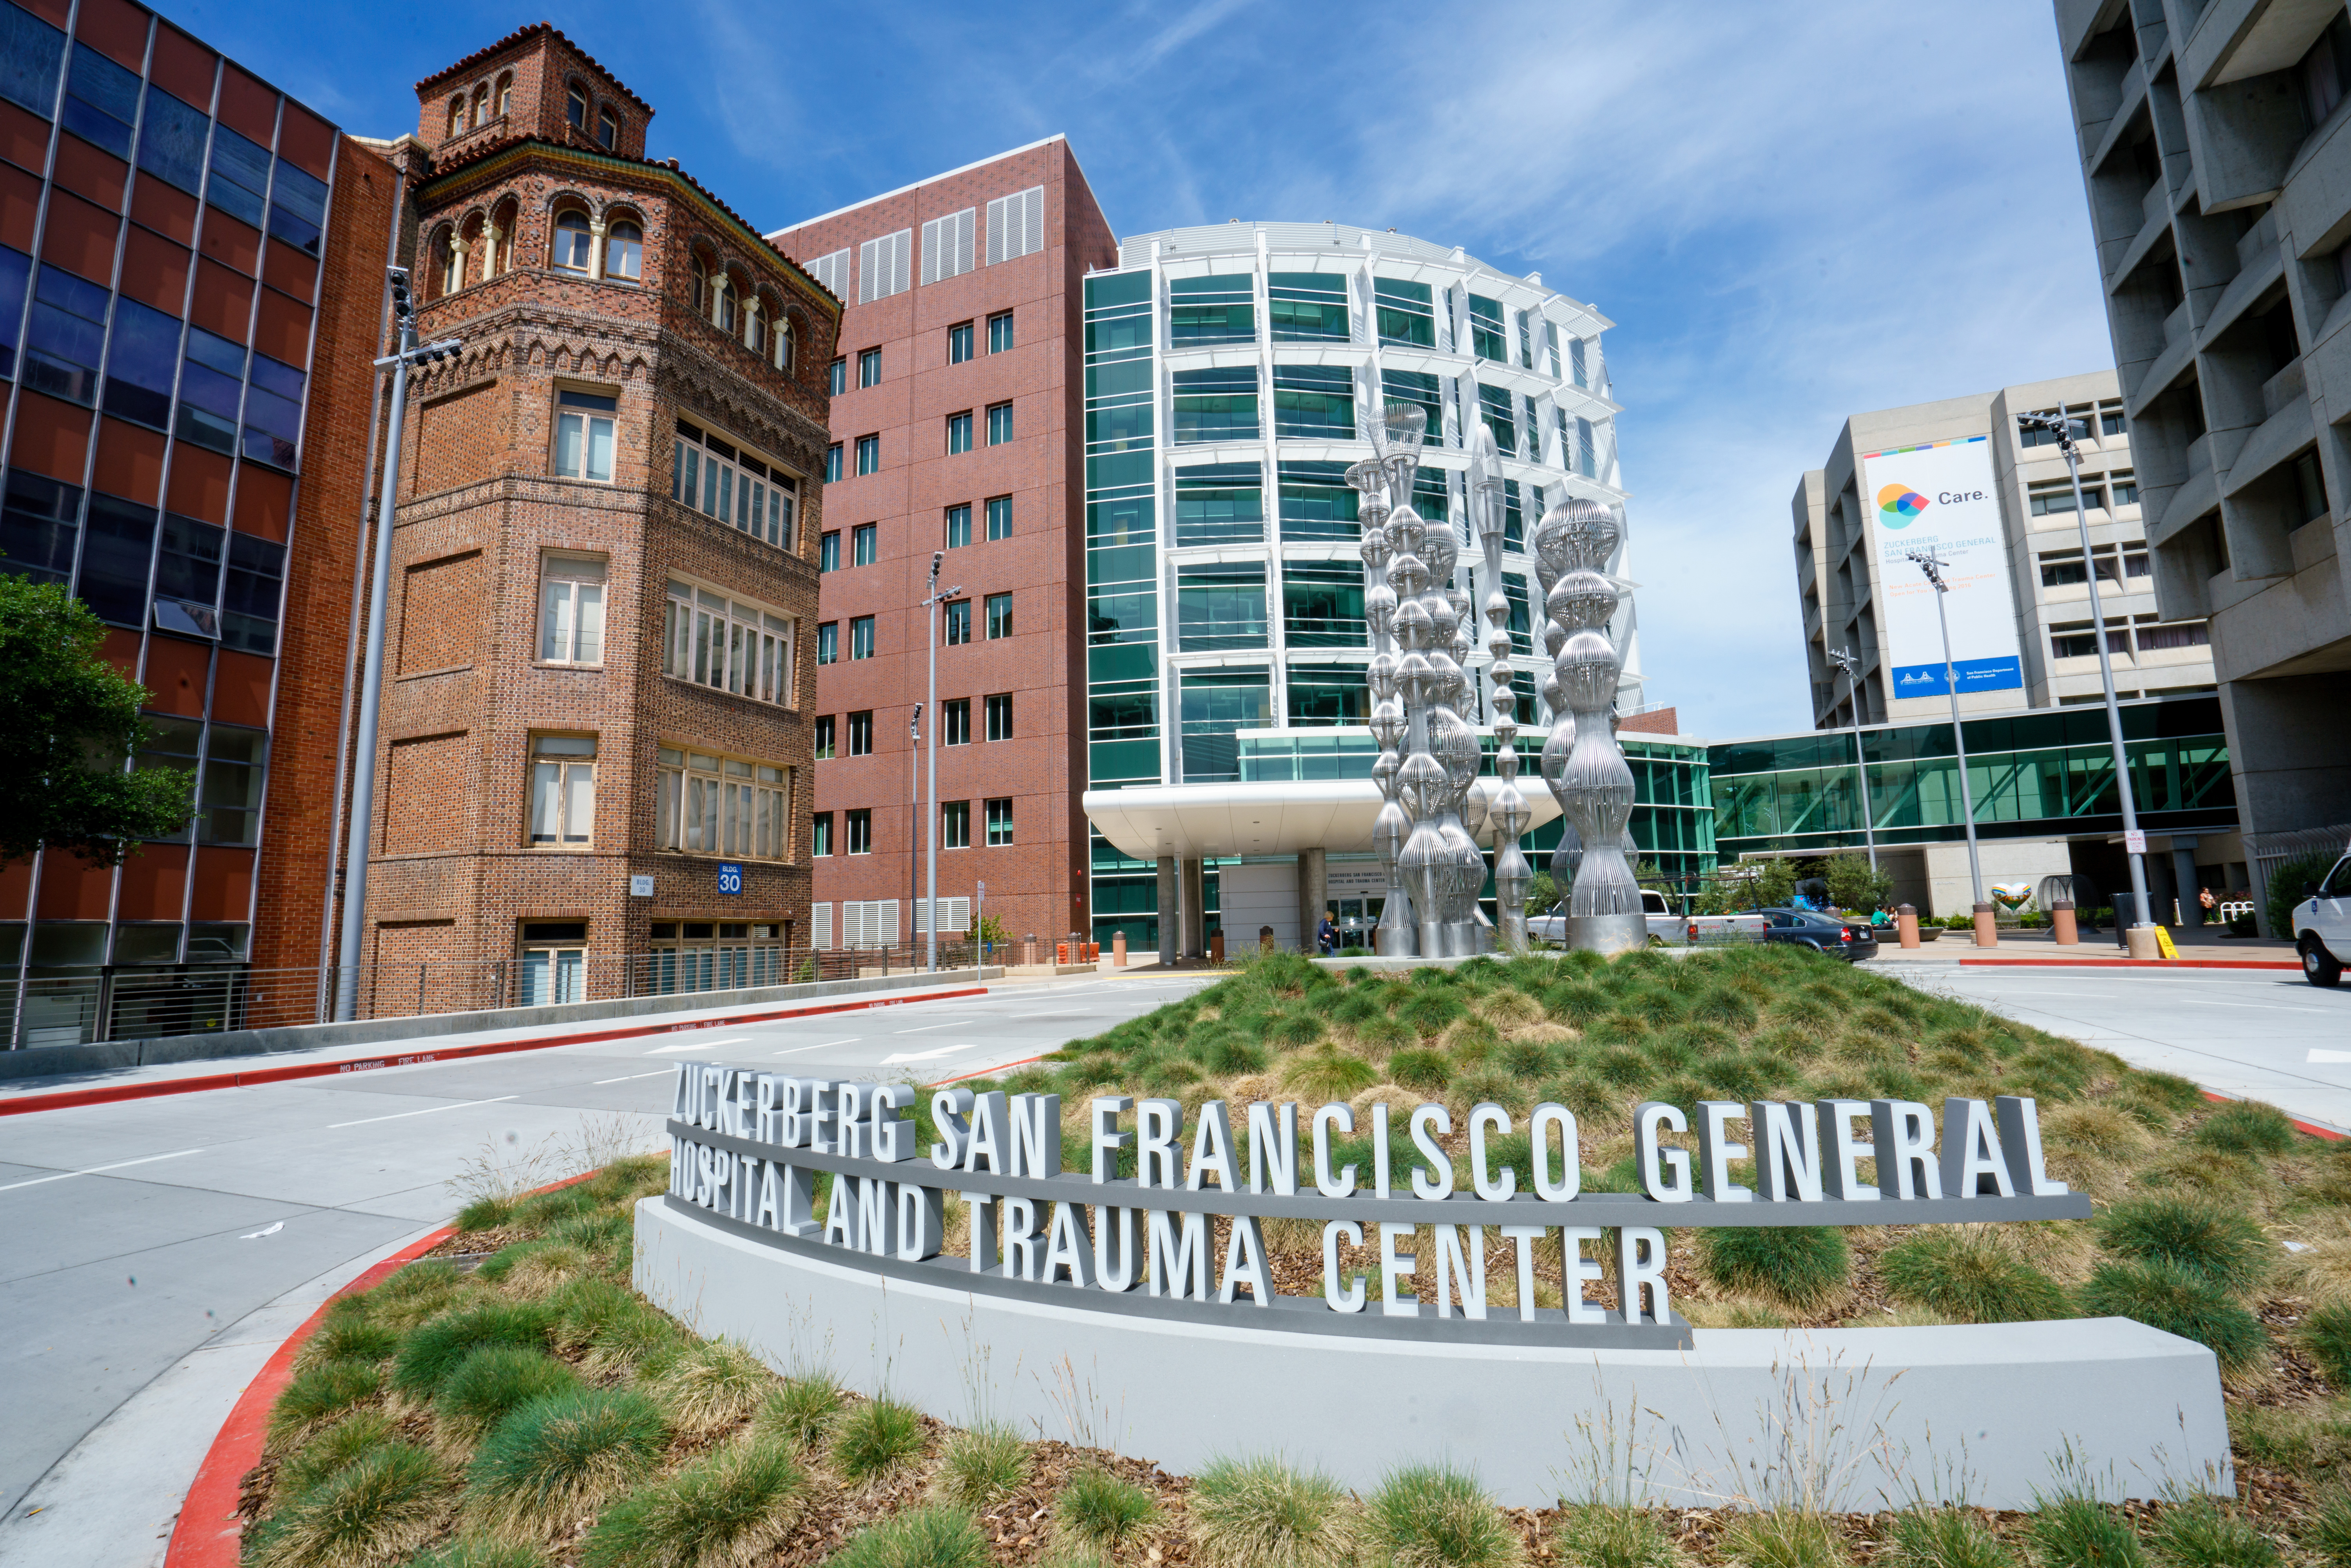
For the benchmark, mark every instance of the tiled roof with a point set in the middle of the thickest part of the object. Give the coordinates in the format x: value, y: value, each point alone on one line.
x: 464, y: 66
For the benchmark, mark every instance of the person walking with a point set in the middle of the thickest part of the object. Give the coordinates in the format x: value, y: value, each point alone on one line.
x: 1326, y: 936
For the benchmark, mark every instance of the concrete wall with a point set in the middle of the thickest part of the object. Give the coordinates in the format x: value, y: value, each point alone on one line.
x: 1250, y: 896
x: 1951, y: 891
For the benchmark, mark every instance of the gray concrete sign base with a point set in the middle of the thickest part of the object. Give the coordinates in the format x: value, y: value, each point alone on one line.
x: 1868, y: 1419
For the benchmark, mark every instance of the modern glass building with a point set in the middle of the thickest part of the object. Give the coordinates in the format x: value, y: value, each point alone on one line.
x: 1228, y: 371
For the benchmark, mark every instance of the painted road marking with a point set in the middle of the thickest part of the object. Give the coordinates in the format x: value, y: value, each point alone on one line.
x: 930, y: 1055
x: 943, y: 1023
x: 93, y: 1170
x: 695, y: 1045
x: 854, y: 1040
x: 2315, y: 1055
x: 633, y: 1077
x: 460, y: 1105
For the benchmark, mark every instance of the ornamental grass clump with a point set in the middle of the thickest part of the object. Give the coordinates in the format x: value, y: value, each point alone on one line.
x: 2326, y: 1337
x: 2197, y: 1533
x: 980, y: 1466
x: 1103, y: 1510
x: 871, y: 1441
x: 334, y: 1450
x: 1261, y: 1513
x: 349, y: 1336
x: 712, y: 1386
x: 2247, y: 1127
x: 2177, y: 1301
x: 2074, y: 1530
x: 2227, y: 1250
x: 1603, y: 1535
x: 374, y: 1510
x: 726, y: 1511
x: 431, y: 1354
x: 933, y: 1537
x: 801, y: 1411
x: 2328, y: 1535
x: 1946, y: 1538
x: 1785, y: 1538
x: 480, y: 1552
x: 495, y: 1380
x: 1970, y: 1279
x: 561, y: 1456
x: 1432, y: 1516
x: 322, y: 1392
x: 1800, y: 1265
x: 1320, y: 1077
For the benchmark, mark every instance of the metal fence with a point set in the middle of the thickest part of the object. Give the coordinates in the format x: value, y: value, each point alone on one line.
x: 88, y: 1004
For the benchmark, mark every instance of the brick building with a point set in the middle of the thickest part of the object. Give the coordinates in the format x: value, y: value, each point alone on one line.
x: 594, y: 736
x: 956, y: 427
x: 190, y: 283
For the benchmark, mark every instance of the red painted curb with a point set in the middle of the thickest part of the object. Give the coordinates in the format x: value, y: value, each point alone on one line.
x: 22, y: 1104
x: 197, y: 1541
x: 2317, y: 1130
x: 2130, y: 964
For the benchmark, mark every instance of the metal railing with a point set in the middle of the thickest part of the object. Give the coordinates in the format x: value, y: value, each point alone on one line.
x: 85, y: 1006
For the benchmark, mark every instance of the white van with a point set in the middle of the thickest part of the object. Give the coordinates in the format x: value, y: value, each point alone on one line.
x: 2322, y: 928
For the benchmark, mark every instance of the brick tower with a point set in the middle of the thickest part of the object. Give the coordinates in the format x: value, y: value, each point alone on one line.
x: 594, y: 741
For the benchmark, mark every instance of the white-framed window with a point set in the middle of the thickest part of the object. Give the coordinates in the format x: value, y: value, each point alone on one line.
x: 730, y: 644
x: 562, y: 790
x: 624, y: 253
x: 710, y: 804
x: 1016, y: 225
x: 573, y: 241
x: 571, y: 609
x: 869, y: 923
x: 608, y: 129
x: 714, y: 475
x: 946, y: 247
x: 583, y: 434
x: 882, y: 265
x: 833, y: 271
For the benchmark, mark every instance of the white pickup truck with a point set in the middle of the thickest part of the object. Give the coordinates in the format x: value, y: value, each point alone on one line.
x: 1665, y: 927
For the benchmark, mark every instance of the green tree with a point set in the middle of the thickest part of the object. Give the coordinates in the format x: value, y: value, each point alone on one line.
x: 1852, y: 886
x: 1542, y: 893
x: 2290, y: 883
x: 1775, y: 882
x: 68, y: 722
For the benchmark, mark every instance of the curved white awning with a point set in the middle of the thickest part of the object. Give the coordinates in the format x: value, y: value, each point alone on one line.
x: 1195, y: 822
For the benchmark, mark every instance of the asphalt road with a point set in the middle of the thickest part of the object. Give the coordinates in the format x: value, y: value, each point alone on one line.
x: 144, y: 1231
x: 2261, y: 1034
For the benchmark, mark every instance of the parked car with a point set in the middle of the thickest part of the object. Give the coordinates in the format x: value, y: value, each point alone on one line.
x: 1852, y: 940
x: 2322, y: 928
x: 1665, y: 927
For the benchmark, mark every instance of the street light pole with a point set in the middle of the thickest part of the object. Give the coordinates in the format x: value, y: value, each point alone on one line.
x: 913, y: 805
x: 931, y: 822
x: 1844, y: 660
x: 362, y: 824
x: 2062, y: 428
x: 1932, y: 565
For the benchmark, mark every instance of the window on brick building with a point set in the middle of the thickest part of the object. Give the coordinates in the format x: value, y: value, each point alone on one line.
x: 1000, y: 716
x: 959, y: 342
x: 714, y: 805
x: 571, y: 610
x: 958, y: 526
x: 999, y: 822
x: 730, y: 644
x: 583, y: 434
x: 958, y: 432
x: 955, y: 820
x: 562, y: 789
x: 837, y: 383
x: 827, y: 643
x: 824, y: 737
x: 1000, y: 615
x: 833, y: 453
x: 608, y: 129
x: 958, y: 726
x: 958, y: 622
x: 456, y: 117
x: 999, y: 332
x: 861, y: 733
x: 828, y: 551
x: 624, y: 253
x: 575, y: 107
x: 860, y: 637
x: 999, y: 518
x: 481, y: 115
x: 869, y: 367
x: 865, y: 544
x: 868, y: 454
x: 820, y: 834
x: 861, y: 832
x: 747, y: 493
x: 1000, y: 425
x: 573, y: 241
x: 505, y: 95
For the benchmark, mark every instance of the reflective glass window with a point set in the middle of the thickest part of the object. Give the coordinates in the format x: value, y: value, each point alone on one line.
x: 257, y: 573
x: 1220, y: 607
x: 15, y: 274
x: 240, y: 175
x: 140, y: 362
x: 1420, y: 391
x: 1205, y: 311
x: 1219, y: 504
x: 1307, y: 307
x: 1217, y: 404
x: 31, y: 55
x: 958, y: 526
x: 39, y: 524
x: 115, y: 560
x: 297, y: 208
x: 101, y: 101
x: 1405, y: 311
x: 211, y: 386
x: 272, y: 412
x: 68, y: 334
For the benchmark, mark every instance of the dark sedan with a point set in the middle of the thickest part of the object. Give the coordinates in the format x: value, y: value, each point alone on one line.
x: 1852, y: 940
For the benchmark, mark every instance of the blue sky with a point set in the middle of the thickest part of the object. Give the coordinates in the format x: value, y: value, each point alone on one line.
x: 1793, y: 212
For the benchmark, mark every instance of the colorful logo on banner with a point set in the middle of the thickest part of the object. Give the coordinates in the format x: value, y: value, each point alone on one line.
x: 1898, y: 506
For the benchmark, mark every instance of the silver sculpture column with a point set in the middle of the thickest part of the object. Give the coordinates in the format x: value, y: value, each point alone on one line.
x: 1594, y: 787
x: 1461, y: 869
x: 1506, y: 813
x: 1399, y: 434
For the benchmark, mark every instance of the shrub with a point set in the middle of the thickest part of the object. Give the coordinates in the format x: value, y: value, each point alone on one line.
x: 801, y: 1411
x: 1969, y: 1279
x: 492, y: 1381
x: 713, y: 1385
x: 328, y: 1388
x: 1261, y: 1513
x: 1427, y: 1070
x: 2226, y: 1249
x: 559, y: 1456
x: 918, y: 1538
x: 2325, y: 1335
x: 1800, y: 1265
x: 378, y: 1508
x: 1785, y: 1538
x: 435, y: 1351
x: 2076, y: 1532
x: 1432, y: 1516
x: 2290, y: 885
x: 2247, y: 1127
x: 876, y: 1439
x: 2197, y: 1533
x: 338, y: 1448
x: 1604, y: 1536
x: 724, y: 1511
x: 1946, y: 1538
x: 2167, y: 1297
x: 981, y: 1464
x: 1100, y: 1509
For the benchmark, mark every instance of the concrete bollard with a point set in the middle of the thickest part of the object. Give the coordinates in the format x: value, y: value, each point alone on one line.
x: 1906, y: 918
x: 2060, y: 921
x: 1118, y: 951
x: 1987, y: 926
x: 2142, y: 942
x: 1029, y: 947
x: 1217, y: 947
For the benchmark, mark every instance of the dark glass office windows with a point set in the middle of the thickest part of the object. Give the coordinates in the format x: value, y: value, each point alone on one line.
x: 101, y: 102
x: 37, y: 526
x: 1219, y: 504
x: 1328, y: 694
x: 1217, y: 404
x: 1315, y: 402
x: 1501, y: 412
x: 1219, y: 607
x: 1307, y: 307
x: 273, y: 412
x: 69, y: 331
x: 297, y: 208
x: 1486, y: 340
x: 240, y: 176
x: 256, y: 571
x: 139, y: 364
x: 172, y: 141
x: 1215, y: 704
x: 115, y: 560
x: 1406, y: 316
x: 1205, y: 311
x: 1422, y: 391
x: 228, y: 809
x: 15, y: 274
x: 1316, y: 502
x: 209, y: 391
x: 1323, y: 605
x: 31, y: 53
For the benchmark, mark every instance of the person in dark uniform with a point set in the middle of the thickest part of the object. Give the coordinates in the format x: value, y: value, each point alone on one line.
x: 1326, y: 936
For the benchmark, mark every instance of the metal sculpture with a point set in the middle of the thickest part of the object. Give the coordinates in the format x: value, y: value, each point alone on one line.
x: 1589, y: 775
x: 1507, y: 812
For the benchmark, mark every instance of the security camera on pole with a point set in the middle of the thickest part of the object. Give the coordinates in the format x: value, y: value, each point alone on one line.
x: 2141, y: 937
x: 1987, y: 925
x: 1844, y: 660
x: 362, y: 834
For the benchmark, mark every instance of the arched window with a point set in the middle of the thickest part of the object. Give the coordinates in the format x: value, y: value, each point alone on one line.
x: 701, y: 287
x: 624, y: 252
x: 505, y: 95
x: 608, y: 129
x: 730, y: 320
x: 481, y: 107
x: 571, y: 241
x: 575, y: 107
x: 445, y: 254
x: 456, y: 117
x: 779, y: 342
